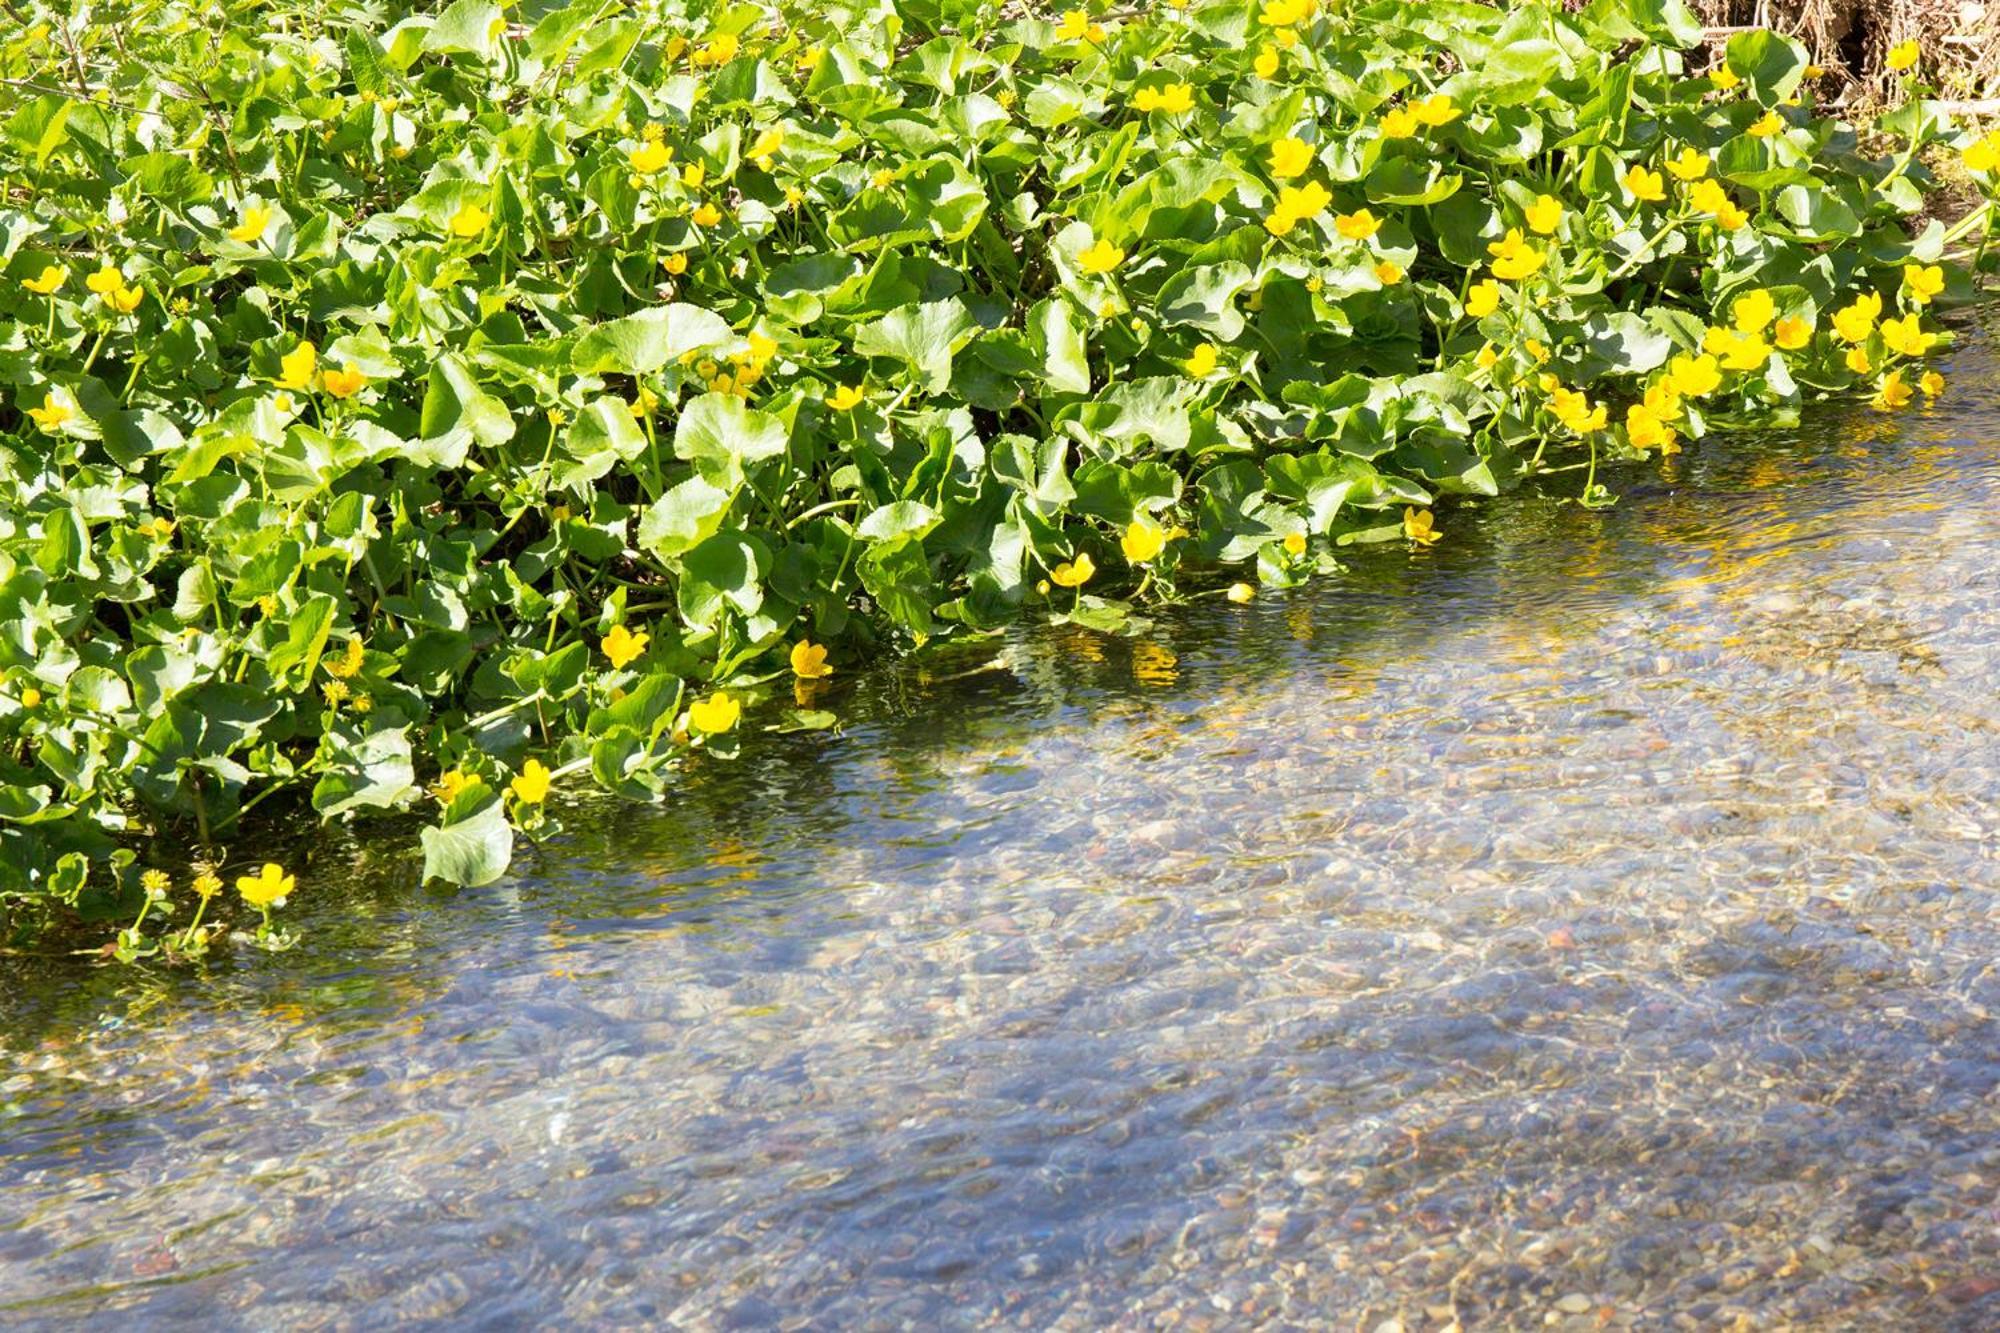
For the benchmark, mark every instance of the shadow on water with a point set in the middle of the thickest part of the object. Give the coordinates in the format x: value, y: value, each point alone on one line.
x: 1587, y: 914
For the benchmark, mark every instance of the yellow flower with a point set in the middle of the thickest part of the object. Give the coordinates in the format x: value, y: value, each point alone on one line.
x: 1857, y: 360
x: 125, y: 300
x: 1295, y: 543
x: 31, y: 697
x: 55, y: 410
x: 1435, y: 110
x: 1398, y: 123
x: 1737, y: 351
x: 1647, y: 429
x: 1545, y: 214
x: 809, y: 660
x: 693, y: 174
x: 1073, y: 573
x: 1753, y: 310
x: 718, y: 50
x: 808, y: 60
x: 450, y: 784
x: 1984, y: 154
x: 1240, y: 593
x: 1903, y: 56
x: 644, y: 405
x: 1483, y: 298
x: 766, y: 146
x: 1931, y: 383
x: 1202, y: 361
x: 1174, y: 99
x: 256, y: 220
x: 1355, y: 226
x: 1921, y: 284
x: 1793, y: 332
x: 1290, y: 158
x: 845, y: 398
x: 1419, y: 526
x: 1101, y: 257
x: 105, y: 281
x: 469, y: 221
x: 206, y: 885
x: 532, y: 786
x: 1905, y: 336
x: 1856, y: 321
x: 50, y: 278
x: 1648, y: 187
x: 155, y: 883
x: 715, y: 714
x: 649, y: 157
x: 268, y: 888
x: 1514, y: 258
x: 1388, y: 273
x: 1893, y: 393
x: 345, y: 382
x: 349, y: 663
x: 1689, y: 165
x: 1539, y: 353
x: 1077, y: 27
x: 1266, y: 63
x: 1694, y: 376
x: 1143, y: 540
x: 1575, y: 411
x: 1487, y: 357
x: 1767, y: 125
x: 1285, y: 13
x: 1724, y: 77
x: 623, y: 646
x: 675, y: 264
x: 706, y: 216
x: 296, y: 367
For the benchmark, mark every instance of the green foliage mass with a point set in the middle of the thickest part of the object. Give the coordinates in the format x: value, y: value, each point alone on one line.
x: 389, y: 400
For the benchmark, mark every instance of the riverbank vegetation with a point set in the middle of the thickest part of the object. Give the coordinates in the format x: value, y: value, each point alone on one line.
x: 429, y: 412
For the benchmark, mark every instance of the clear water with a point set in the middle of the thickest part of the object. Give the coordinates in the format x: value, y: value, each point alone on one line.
x: 1589, y: 921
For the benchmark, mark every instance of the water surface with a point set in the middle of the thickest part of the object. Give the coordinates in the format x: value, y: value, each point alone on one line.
x: 1589, y: 920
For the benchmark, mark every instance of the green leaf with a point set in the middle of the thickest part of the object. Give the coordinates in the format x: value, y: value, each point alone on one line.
x: 372, y: 771
x: 469, y: 26
x: 720, y: 433
x: 724, y: 573
x: 1772, y: 65
x: 641, y: 344
x: 924, y: 337
x: 471, y: 851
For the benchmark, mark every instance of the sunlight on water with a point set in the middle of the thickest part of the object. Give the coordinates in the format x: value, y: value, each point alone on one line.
x: 1587, y: 920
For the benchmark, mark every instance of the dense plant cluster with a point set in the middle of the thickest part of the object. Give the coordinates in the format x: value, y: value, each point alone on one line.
x: 425, y: 412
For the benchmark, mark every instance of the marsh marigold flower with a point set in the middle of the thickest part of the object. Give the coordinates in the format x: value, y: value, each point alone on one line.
x: 1983, y: 154
x: 1514, y: 258
x: 469, y: 221
x: 1921, y: 284
x: 1482, y: 299
x: 1545, y: 214
x: 623, y: 646
x: 1073, y: 573
x: 269, y: 887
x: 1358, y: 225
x: 250, y: 229
x: 1893, y: 393
x: 1688, y: 165
x: 1101, y: 257
x: 1906, y: 337
x: 47, y: 281
x: 1856, y: 320
x: 649, y: 157
x: 1290, y: 158
x: 1435, y: 110
x: 531, y: 785
x: 1143, y: 540
x: 809, y: 660
x: 1419, y: 526
x: 1646, y: 186
x: 345, y: 382
x: 1792, y: 333
x: 1753, y: 310
x: 1931, y: 383
x: 845, y: 398
x: 296, y: 367
x: 715, y: 714
x: 1903, y: 56
x: 55, y: 410
x: 1174, y: 99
